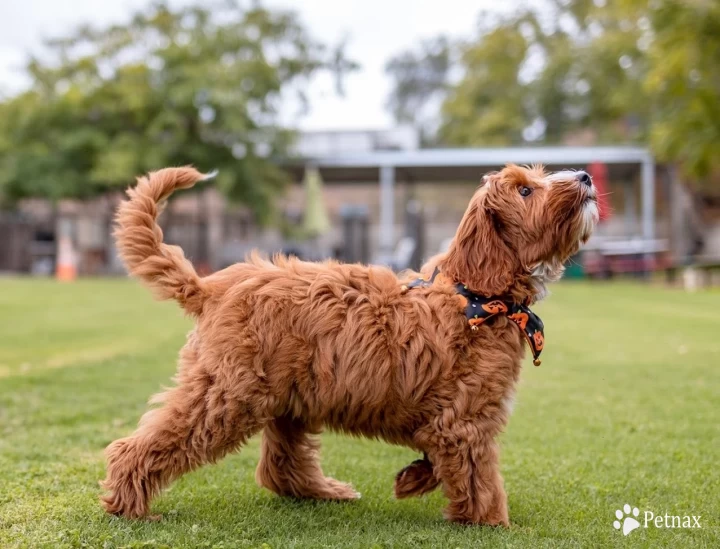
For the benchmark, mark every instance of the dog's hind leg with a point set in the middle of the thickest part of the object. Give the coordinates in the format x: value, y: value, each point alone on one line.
x: 199, y: 423
x: 289, y: 463
x: 465, y: 457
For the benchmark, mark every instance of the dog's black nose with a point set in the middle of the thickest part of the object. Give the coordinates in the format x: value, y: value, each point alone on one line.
x: 584, y: 178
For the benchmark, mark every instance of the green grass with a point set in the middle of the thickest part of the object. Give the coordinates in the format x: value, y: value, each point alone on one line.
x: 625, y: 408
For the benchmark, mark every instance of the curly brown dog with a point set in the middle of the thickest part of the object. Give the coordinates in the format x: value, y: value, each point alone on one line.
x: 290, y: 347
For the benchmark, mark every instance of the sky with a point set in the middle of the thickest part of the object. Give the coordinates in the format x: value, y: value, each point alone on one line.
x: 374, y: 31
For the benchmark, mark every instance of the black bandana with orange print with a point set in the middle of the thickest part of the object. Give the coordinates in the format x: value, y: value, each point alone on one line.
x: 480, y: 309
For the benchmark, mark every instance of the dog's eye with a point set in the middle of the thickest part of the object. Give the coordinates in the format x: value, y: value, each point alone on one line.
x: 525, y: 191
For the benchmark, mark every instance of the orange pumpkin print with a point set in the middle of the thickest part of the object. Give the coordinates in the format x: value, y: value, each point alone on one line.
x: 495, y: 307
x: 539, y: 340
x: 521, y: 319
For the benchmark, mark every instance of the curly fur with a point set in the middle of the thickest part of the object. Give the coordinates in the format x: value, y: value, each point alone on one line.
x: 288, y: 347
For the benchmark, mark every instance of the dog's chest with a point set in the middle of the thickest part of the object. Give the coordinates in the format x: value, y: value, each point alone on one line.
x: 496, y: 352
x: 508, y: 401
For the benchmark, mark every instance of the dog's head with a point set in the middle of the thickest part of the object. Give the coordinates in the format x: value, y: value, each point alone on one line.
x: 521, y: 226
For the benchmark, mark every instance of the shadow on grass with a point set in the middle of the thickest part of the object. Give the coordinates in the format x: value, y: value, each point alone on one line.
x: 253, y: 517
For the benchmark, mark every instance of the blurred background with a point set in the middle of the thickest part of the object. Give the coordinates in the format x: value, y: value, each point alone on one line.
x: 359, y: 129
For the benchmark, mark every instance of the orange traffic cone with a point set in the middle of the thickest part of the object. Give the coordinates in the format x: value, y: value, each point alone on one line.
x: 66, y: 268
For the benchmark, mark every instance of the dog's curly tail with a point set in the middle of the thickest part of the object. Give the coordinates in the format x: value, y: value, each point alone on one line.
x: 139, y: 238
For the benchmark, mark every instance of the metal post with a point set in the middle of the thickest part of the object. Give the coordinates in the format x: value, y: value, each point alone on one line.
x: 387, y: 210
x: 648, y: 198
x: 631, y: 213
x: 648, y: 208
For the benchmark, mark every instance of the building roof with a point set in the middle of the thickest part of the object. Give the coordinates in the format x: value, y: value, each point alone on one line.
x: 465, y: 164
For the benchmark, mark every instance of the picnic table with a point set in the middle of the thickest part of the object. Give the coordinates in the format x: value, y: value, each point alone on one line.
x: 608, y: 257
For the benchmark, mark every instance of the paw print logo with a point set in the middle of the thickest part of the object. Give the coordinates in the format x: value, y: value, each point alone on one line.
x: 629, y: 523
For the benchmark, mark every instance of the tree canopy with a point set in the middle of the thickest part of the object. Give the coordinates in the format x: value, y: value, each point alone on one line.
x: 420, y: 81
x: 585, y: 71
x: 201, y: 85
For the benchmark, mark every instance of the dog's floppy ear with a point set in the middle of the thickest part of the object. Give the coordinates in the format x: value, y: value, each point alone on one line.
x: 478, y: 256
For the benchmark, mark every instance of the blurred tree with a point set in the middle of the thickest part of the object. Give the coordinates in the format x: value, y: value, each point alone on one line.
x: 571, y: 67
x: 582, y: 71
x: 420, y: 80
x: 488, y: 105
x: 683, y: 81
x: 200, y: 85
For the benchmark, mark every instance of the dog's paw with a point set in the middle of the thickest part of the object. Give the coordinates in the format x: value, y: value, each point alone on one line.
x: 415, y: 480
x: 494, y: 519
x: 339, y: 491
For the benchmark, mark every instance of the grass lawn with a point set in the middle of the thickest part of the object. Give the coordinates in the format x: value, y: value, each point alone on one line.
x: 625, y: 409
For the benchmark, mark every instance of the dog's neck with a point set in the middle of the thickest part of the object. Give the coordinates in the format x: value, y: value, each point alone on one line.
x: 528, y: 286
x: 479, y: 309
x: 525, y: 288
x: 543, y: 274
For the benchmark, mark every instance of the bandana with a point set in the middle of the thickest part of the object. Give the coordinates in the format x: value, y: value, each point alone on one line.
x: 480, y: 309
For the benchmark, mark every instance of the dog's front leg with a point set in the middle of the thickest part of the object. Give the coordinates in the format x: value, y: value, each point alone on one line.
x: 416, y: 479
x: 465, y: 458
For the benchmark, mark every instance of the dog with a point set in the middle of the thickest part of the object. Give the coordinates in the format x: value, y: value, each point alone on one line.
x: 288, y: 347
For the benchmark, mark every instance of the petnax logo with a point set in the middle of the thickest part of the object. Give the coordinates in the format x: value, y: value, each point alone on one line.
x: 629, y: 520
